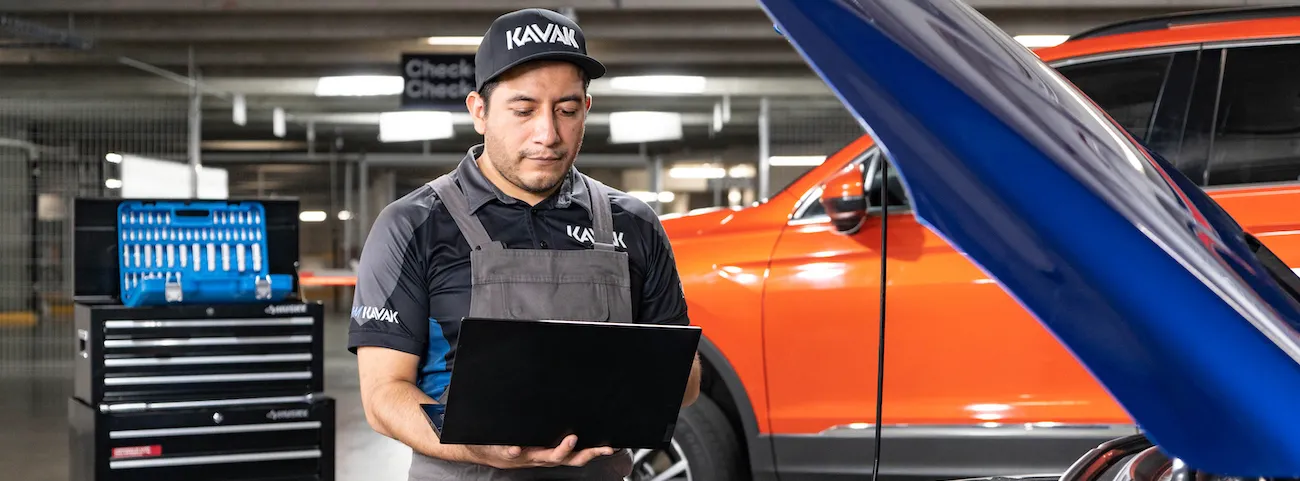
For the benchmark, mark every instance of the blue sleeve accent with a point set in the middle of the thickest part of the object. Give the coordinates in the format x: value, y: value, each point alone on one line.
x: 435, y: 373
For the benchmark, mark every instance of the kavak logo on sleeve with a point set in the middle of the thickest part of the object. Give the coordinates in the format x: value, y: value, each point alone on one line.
x: 369, y: 313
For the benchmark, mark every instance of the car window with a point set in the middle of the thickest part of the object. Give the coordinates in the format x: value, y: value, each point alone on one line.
x: 1126, y: 88
x: 1256, y: 136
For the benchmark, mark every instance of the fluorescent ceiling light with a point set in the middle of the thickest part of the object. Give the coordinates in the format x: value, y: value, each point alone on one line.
x: 1037, y: 41
x: 113, y: 183
x: 742, y: 171
x: 312, y: 216
x: 641, y: 126
x: 697, y: 172
x: 664, y: 197
x: 406, y: 126
x: 454, y: 40
x: 673, y: 84
x: 113, y: 157
x: 345, y: 215
x: 359, y: 85
x: 795, y: 160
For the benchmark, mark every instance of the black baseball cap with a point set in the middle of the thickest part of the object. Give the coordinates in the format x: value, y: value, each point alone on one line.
x: 531, y: 34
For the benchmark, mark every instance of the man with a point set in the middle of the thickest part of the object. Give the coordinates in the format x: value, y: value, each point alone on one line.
x: 494, y: 238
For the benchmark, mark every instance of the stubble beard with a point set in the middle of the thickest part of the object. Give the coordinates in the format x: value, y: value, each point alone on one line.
x: 507, y: 164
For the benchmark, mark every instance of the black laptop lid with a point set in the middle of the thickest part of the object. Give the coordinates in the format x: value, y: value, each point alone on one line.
x: 531, y: 383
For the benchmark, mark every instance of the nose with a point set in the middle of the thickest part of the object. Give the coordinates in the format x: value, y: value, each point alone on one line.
x: 546, y: 130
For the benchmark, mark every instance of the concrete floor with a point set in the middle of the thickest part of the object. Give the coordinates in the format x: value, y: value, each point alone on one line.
x: 34, y: 439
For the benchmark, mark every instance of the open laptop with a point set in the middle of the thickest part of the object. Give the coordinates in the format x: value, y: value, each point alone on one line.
x: 531, y: 383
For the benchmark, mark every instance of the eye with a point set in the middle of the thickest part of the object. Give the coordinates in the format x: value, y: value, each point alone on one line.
x: 523, y: 113
x: 568, y: 113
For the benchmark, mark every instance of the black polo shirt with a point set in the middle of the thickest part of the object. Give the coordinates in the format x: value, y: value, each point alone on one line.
x: 413, y: 282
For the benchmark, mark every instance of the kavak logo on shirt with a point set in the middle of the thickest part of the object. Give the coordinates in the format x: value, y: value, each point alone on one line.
x: 584, y: 234
x: 526, y: 34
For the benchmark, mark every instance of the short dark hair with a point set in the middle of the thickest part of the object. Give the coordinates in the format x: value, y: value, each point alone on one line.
x: 489, y: 86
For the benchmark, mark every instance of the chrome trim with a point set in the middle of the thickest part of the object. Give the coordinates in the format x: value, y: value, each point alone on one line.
x: 190, y: 360
x: 820, y: 219
x: 252, y: 322
x: 205, y: 378
x: 1250, y: 185
x: 209, y: 341
x: 1141, y: 52
x: 215, y: 459
x: 131, y: 407
x: 1258, y: 42
x: 1027, y: 430
x: 238, y: 428
x: 804, y: 203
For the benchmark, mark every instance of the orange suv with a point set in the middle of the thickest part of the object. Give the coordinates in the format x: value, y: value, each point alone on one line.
x: 788, y: 295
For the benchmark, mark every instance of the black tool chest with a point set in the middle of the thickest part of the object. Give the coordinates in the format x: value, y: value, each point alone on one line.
x: 197, y: 352
x: 196, y: 391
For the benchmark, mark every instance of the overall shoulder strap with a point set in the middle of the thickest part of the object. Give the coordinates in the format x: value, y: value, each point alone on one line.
x: 602, y: 217
x: 458, y: 206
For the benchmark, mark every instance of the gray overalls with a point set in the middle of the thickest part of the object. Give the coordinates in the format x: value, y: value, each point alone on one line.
x: 586, y: 284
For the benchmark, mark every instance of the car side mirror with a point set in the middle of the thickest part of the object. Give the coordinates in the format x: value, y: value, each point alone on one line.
x: 845, y: 199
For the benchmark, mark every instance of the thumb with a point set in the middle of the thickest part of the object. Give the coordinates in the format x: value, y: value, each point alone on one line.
x: 512, y: 452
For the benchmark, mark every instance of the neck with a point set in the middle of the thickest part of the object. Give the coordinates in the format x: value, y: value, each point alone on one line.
x: 490, y: 171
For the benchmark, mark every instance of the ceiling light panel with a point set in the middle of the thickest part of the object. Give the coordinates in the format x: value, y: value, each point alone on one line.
x: 359, y: 86
x: 668, y: 84
x: 454, y: 40
x: 1039, y: 41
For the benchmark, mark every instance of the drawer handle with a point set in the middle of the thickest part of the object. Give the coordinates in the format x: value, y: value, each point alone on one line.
x: 201, y: 430
x: 272, y: 322
x: 235, y: 377
x: 215, y: 459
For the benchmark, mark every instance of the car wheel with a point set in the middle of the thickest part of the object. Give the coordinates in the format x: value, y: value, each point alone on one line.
x: 704, y: 448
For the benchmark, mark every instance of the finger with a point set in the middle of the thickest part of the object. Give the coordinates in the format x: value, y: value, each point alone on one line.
x: 511, y: 452
x: 563, y: 451
x: 585, y: 456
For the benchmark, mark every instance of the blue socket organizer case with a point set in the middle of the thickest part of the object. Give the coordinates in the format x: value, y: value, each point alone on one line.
x: 188, y: 252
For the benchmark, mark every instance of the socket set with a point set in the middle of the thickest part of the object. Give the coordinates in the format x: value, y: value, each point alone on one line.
x: 195, y: 252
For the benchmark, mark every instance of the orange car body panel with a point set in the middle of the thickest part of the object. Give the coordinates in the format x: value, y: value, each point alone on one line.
x: 794, y: 306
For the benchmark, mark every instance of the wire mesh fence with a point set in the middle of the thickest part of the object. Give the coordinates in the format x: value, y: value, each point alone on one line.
x: 55, y: 146
x: 802, y: 130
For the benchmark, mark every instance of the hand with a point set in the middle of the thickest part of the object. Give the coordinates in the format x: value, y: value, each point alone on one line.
x: 515, y: 457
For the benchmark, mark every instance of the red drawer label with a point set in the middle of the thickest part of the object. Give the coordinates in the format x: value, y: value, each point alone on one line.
x: 137, y: 451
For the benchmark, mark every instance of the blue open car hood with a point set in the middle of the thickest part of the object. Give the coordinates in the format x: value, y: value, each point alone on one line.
x: 1133, y: 268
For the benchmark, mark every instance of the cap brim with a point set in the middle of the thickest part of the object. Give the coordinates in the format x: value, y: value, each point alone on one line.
x: 591, y: 66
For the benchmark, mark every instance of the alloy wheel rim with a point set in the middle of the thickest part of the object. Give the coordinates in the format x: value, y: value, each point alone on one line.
x: 660, y: 464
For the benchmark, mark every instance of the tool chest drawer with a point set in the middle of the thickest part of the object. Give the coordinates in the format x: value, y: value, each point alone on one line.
x: 254, y: 439
x: 171, y: 353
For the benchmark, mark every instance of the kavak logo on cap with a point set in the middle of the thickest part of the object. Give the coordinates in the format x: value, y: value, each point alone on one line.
x: 530, y: 35
x: 533, y: 33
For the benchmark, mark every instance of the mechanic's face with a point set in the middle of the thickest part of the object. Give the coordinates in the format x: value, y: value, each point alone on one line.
x: 533, y: 127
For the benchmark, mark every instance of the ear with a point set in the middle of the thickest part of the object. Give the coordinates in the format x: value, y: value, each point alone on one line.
x: 589, y: 102
x: 477, y: 111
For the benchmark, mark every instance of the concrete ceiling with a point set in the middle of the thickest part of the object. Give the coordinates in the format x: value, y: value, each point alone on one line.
x: 273, y: 51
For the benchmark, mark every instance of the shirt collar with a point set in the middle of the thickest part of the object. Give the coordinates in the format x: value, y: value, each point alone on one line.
x: 479, y: 190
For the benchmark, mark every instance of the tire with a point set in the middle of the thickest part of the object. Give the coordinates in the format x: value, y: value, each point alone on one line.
x: 704, y: 439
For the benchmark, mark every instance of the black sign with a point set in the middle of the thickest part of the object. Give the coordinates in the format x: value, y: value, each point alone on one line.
x: 436, y: 82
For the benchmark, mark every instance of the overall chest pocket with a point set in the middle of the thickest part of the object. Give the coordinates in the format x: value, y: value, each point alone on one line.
x: 577, y: 285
